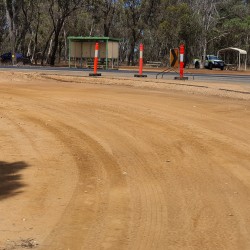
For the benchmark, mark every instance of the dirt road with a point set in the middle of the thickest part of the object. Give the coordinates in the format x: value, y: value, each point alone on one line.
x: 114, y: 166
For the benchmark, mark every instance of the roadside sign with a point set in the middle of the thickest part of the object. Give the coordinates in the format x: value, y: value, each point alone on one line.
x: 174, y: 58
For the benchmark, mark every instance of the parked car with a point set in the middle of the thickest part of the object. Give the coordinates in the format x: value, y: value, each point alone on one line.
x: 212, y: 61
x: 197, y: 63
x: 20, y: 59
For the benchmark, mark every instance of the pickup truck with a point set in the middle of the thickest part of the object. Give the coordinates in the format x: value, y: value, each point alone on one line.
x: 212, y: 61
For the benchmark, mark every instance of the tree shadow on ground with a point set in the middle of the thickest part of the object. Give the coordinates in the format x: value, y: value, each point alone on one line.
x: 10, y: 178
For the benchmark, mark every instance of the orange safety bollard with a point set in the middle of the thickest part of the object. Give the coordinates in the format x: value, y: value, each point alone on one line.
x: 96, y: 62
x: 182, y: 52
x: 140, y: 63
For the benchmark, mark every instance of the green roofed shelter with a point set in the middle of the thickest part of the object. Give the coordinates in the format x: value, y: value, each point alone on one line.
x: 82, y: 50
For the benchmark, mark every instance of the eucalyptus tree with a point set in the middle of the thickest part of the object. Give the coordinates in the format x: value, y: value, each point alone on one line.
x: 11, y: 9
x: 40, y: 27
x: 137, y: 16
x: 207, y: 13
x: 59, y: 11
x: 24, y: 26
x: 103, y: 13
x: 3, y: 22
x: 237, y: 25
x: 177, y: 24
x: 18, y: 18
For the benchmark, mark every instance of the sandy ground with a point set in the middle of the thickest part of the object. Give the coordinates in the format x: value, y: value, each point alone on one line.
x: 107, y: 163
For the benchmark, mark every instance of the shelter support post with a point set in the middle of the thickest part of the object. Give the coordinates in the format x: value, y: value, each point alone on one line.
x: 69, y: 53
x: 106, y: 54
x: 239, y: 61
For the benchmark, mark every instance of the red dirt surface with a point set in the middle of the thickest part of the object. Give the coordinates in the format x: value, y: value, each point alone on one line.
x: 123, y: 164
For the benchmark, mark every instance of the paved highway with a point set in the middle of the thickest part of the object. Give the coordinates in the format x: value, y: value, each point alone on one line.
x: 217, y: 77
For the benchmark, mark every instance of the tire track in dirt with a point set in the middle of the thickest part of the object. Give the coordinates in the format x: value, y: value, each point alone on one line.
x: 148, y: 210
x: 114, y: 180
x: 150, y: 196
x: 151, y: 202
x: 195, y: 151
x: 148, y: 225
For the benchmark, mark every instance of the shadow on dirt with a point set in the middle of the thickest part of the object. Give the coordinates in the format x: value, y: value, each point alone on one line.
x: 10, y: 178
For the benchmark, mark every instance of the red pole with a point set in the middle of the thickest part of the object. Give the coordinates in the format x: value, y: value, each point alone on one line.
x: 96, y: 58
x: 141, y: 59
x: 182, y: 50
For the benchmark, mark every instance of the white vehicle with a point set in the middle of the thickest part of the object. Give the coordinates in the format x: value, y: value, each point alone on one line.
x: 212, y: 61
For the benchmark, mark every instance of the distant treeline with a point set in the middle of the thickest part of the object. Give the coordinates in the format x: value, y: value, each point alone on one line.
x: 39, y: 28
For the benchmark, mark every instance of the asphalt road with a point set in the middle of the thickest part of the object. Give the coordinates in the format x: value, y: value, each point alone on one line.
x: 217, y: 77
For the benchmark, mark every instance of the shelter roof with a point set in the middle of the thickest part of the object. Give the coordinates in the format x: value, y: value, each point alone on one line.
x: 241, y: 51
x: 92, y: 39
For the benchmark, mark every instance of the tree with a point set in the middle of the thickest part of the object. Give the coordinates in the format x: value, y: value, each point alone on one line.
x: 208, y: 16
x: 3, y: 22
x: 11, y: 10
x: 59, y: 11
x: 103, y: 13
x: 39, y: 28
x: 138, y: 15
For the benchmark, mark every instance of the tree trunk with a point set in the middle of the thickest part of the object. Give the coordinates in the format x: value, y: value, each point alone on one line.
x: 11, y: 26
x: 29, y: 46
x: 13, y: 33
x: 49, y: 51
x: 56, y: 42
x: 46, y: 47
x: 204, y: 50
x: 34, y: 55
x: 106, y: 30
x: 65, y: 44
x: 131, y: 57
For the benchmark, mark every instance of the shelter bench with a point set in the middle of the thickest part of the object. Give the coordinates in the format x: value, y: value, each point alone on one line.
x: 99, y: 66
x: 231, y: 67
x: 153, y: 64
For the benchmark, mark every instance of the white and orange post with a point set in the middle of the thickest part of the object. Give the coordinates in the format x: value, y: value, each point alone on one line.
x: 182, y: 53
x: 141, y: 62
x: 96, y: 61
